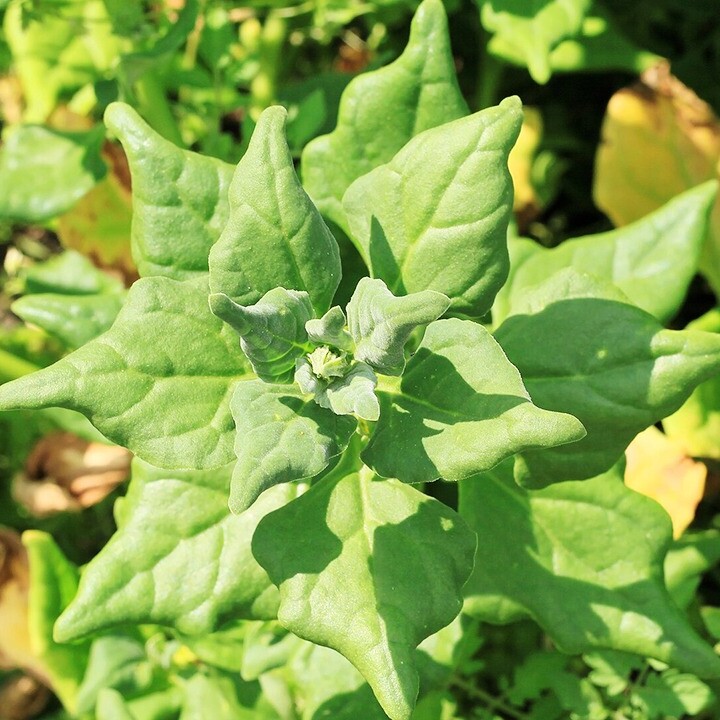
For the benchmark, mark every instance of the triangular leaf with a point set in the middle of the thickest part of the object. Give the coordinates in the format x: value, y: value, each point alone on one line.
x: 180, y: 203
x: 158, y: 382
x: 281, y: 436
x: 460, y: 409
x: 179, y: 558
x: 381, y: 110
x: 582, y: 348
x: 275, y: 237
x: 375, y: 556
x: 272, y: 331
x: 584, y: 559
x: 435, y: 217
x: 330, y: 330
x: 380, y: 323
x: 652, y: 260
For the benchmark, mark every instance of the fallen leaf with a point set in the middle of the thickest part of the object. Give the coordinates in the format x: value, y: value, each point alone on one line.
x: 661, y: 469
x: 658, y: 139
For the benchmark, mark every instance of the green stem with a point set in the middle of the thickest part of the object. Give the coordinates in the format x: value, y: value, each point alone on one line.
x: 272, y: 41
x: 489, y: 74
x: 12, y: 367
x: 490, y: 702
x: 154, y: 107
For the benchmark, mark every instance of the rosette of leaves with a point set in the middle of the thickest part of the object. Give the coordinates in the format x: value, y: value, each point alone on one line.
x: 230, y: 369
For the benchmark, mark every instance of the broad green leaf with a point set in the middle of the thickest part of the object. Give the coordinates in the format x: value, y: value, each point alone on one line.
x: 281, y: 436
x: 688, y: 559
x: 375, y: 556
x: 582, y: 348
x: 73, y: 319
x: 53, y: 584
x: 275, y: 236
x: 531, y: 29
x: 43, y: 171
x: 592, y: 546
x: 459, y: 409
x: 652, y: 261
x: 180, y: 203
x: 380, y: 323
x: 435, y: 217
x: 272, y: 331
x: 697, y: 423
x: 381, y: 110
x: 330, y: 330
x: 70, y: 273
x: 674, y: 694
x: 179, y: 558
x: 159, y: 382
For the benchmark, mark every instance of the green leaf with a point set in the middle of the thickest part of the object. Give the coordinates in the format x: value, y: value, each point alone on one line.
x: 213, y: 697
x: 531, y: 29
x: 354, y: 393
x: 582, y: 348
x: 53, y: 584
x: 158, y: 382
x: 652, y: 260
x: 70, y: 273
x: 180, y: 203
x: 44, y: 172
x: 179, y: 558
x: 381, y: 110
x: 380, y: 323
x: 281, y: 436
x: 460, y: 408
x: 375, y: 556
x: 675, y: 694
x: 435, y: 217
x: 689, y: 558
x: 330, y: 330
x: 73, y: 319
x: 275, y: 237
x: 111, y: 706
x: 272, y: 331
x: 593, y: 546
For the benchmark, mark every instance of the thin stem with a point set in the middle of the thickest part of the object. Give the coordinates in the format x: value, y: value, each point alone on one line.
x: 12, y: 367
x: 492, y: 703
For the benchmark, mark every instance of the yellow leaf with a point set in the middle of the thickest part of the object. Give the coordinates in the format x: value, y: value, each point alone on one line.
x: 661, y: 469
x: 526, y: 204
x: 658, y: 139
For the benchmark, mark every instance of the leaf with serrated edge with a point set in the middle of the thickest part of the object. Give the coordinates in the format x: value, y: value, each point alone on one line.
x: 179, y: 558
x: 652, y: 260
x: 272, y: 331
x: 380, y: 323
x: 435, y: 217
x: 275, y: 236
x: 158, y: 382
x: 381, y: 110
x: 282, y: 435
x: 53, y: 584
x: 179, y: 198
x: 460, y: 408
x: 375, y: 556
x: 583, y: 348
x: 532, y: 29
x: 584, y: 559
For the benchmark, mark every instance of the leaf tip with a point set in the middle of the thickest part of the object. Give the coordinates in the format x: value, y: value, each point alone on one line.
x: 125, y: 122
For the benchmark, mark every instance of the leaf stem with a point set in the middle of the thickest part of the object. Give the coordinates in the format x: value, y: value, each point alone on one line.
x: 492, y: 703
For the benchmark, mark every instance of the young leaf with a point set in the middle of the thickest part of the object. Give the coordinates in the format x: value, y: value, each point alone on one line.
x: 53, y: 584
x: 179, y: 558
x: 354, y: 393
x: 180, y: 203
x: 593, y: 546
x: 460, y: 409
x: 275, y: 237
x: 281, y: 436
x: 380, y: 323
x: 582, y: 348
x: 532, y: 29
x: 652, y: 260
x: 381, y: 110
x: 330, y: 330
x: 375, y: 556
x: 272, y: 331
x: 158, y: 382
x: 435, y: 217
